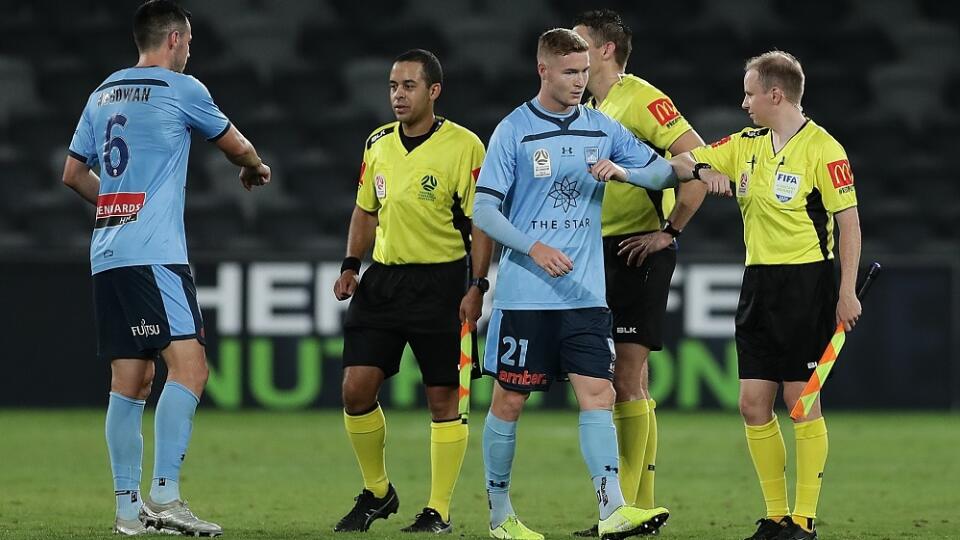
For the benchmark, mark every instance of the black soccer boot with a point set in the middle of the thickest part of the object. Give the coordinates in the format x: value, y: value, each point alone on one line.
x: 367, y: 509
x: 769, y: 529
x: 795, y: 532
x: 429, y: 521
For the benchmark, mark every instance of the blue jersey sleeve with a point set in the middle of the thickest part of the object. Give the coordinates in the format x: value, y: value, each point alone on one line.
x: 645, y: 167
x: 199, y: 110
x: 499, y: 166
x: 83, y: 145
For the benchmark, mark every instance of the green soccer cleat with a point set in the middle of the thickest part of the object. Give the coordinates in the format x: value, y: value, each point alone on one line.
x: 514, y: 529
x: 629, y: 521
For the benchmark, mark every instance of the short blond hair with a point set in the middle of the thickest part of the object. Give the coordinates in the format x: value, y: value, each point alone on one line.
x: 781, y: 69
x: 560, y: 42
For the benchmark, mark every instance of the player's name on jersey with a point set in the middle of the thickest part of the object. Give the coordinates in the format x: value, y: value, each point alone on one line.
x: 124, y: 94
x: 557, y: 224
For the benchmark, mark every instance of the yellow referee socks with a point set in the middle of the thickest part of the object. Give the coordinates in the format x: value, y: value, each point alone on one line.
x: 769, y: 456
x: 811, y: 457
x: 649, y: 467
x: 367, y: 433
x: 632, y: 419
x: 448, y: 445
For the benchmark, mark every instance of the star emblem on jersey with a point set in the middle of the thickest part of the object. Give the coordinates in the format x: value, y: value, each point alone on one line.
x: 564, y: 194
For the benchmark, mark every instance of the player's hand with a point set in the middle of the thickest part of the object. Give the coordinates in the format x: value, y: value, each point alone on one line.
x: 471, y: 307
x: 717, y: 183
x: 848, y: 310
x: 346, y: 285
x: 552, y: 260
x: 254, y: 176
x: 637, y: 248
x: 606, y: 170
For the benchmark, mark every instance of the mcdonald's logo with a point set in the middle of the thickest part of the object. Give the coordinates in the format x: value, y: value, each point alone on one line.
x: 663, y: 110
x: 840, y: 173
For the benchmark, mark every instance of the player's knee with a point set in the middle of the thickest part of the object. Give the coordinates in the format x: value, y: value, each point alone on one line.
x: 146, y: 385
x: 755, y: 411
x: 357, y: 399
x: 605, y: 398
x: 627, y: 390
x: 509, y: 405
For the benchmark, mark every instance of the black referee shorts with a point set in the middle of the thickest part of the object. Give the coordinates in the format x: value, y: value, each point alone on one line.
x: 785, y: 318
x: 416, y: 304
x: 637, y: 295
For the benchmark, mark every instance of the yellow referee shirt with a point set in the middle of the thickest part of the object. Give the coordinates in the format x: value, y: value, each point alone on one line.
x: 787, y: 198
x: 650, y: 115
x: 417, y: 194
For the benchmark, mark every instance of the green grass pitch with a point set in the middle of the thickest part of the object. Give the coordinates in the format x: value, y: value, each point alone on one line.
x: 292, y: 475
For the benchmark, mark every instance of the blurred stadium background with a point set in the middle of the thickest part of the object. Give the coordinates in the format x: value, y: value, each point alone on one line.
x: 306, y: 82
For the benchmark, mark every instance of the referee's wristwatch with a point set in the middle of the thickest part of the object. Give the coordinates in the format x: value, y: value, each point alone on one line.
x: 480, y: 283
x: 698, y: 167
x: 671, y: 230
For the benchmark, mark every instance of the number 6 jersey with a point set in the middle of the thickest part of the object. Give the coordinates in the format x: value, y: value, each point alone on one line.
x: 137, y: 126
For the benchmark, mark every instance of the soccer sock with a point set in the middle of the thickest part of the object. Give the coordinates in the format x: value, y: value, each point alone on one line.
x: 448, y: 445
x: 632, y: 419
x: 598, y: 443
x: 649, y: 469
x: 811, y: 457
x: 125, y: 445
x: 769, y: 456
x: 367, y: 433
x: 499, y: 443
x: 173, y: 425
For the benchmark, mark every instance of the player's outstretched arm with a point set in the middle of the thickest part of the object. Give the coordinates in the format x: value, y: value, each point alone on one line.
x: 656, y: 174
x: 240, y: 151
x: 78, y: 177
x: 363, y: 229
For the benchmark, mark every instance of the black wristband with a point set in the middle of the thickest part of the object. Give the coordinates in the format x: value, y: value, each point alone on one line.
x: 350, y: 263
x: 671, y: 230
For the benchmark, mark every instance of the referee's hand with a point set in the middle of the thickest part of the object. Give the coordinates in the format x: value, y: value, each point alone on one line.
x: 346, y: 285
x: 552, y: 260
x: 848, y: 310
x: 717, y: 183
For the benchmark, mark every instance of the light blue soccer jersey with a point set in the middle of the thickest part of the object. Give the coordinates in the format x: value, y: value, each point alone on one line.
x: 137, y: 126
x: 537, y: 164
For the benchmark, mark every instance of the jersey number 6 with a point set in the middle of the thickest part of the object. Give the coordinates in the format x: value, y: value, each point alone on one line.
x: 109, y: 144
